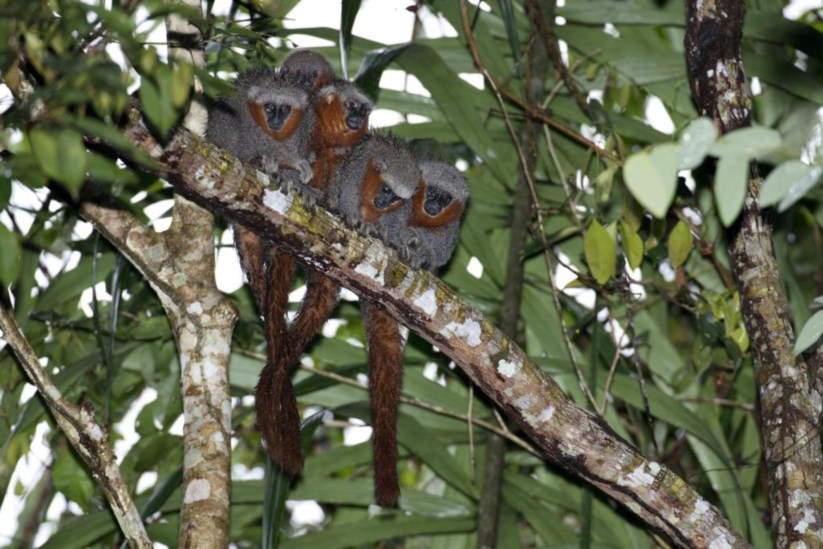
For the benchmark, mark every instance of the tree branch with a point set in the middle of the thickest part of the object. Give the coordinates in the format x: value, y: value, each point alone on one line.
x: 789, y: 405
x: 567, y: 435
x: 89, y: 438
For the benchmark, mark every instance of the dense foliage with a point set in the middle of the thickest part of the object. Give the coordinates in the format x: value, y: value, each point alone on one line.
x: 651, y: 322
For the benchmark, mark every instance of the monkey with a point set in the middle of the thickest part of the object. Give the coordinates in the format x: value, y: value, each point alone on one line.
x: 435, y: 213
x: 341, y: 114
x: 268, y: 122
x: 379, y: 177
x: 342, y: 120
x: 310, y: 68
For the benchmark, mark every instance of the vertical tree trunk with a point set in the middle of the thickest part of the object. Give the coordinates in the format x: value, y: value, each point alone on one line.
x: 789, y: 405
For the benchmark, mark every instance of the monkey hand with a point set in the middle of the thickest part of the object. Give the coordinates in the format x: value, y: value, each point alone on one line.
x: 293, y: 183
x: 409, y: 247
x: 303, y: 167
x: 268, y: 163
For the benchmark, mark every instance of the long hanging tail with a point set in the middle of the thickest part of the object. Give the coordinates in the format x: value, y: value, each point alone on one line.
x: 276, y: 405
x: 252, y: 251
x: 320, y: 300
x: 385, y: 347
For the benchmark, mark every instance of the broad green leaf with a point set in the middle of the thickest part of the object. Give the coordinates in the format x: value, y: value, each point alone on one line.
x: 652, y: 177
x: 157, y: 103
x: 680, y: 244
x: 788, y: 183
x: 434, y: 453
x: 10, y: 256
x: 632, y: 245
x: 748, y: 142
x: 348, y: 13
x: 44, y: 148
x: 730, y: 183
x: 810, y: 333
x: 368, y: 79
x: 71, y: 478
x: 600, y: 251
x: 460, y: 102
x: 181, y: 80
x: 5, y: 191
x: 696, y: 141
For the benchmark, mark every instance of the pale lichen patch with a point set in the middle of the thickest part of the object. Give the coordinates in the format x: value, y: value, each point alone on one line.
x: 720, y: 542
x: 638, y: 477
x: 195, y: 308
x: 368, y: 270
x: 197, y: 490
x: 427, y: 302
x: 546, y: 414
x: 508, y: 369
x: 469, y: 331
x: 277, y: 201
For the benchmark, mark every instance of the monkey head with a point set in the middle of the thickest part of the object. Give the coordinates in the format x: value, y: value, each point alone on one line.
x: 268, y: 121
x: 310, y: 69
x: 342, y: 114
x: 277, y: 109
x: 379, y: 176
x: 434, y: 220
x: 441, y: 197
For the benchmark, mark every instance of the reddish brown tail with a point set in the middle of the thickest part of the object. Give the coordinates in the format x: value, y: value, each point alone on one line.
x: 318, y: 304
x: 276, y: 405
x: 252, y: 251
x: 385, y: 348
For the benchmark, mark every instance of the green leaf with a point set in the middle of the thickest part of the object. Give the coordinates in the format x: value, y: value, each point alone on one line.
x: 44, y: 148
x: 157, y: 105
x: 181, y: 82
x: 696, y: 141
x: 371, y: 69
x: 810, y: 333
x: 788, y: 183
x: 748, y: 142
x: 730, y: 183
x: 652, y: 177
x: 600, y: 252
x: 348, y: 13
x: 462, y: 104
x: 10, y: 256
x: 632, y: 245
x: 5, y: 191
x: 680, y: 244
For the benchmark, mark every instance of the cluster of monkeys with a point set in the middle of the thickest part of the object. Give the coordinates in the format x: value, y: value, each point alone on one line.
x: 310, y: 127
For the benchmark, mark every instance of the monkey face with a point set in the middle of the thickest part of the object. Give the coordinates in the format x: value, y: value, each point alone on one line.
x: 441, y: 196
x: 277, y: 110
x: 436, y: 200
x: 342, y: 114
x: 357, y: 112
x: 276, y: 115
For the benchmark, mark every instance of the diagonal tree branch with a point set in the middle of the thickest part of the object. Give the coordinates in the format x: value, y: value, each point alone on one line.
x: 578, y: 441
x: 89, y: 438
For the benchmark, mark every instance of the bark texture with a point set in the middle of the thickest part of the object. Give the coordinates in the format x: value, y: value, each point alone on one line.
x: 578, y: 441
x: 789, y: 403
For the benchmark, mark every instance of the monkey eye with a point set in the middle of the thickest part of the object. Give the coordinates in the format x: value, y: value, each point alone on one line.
x: 269, y: 108
x: 436, y: 201
x: 314, y: 74
x: 385, y: 197
x: 285, y: 110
